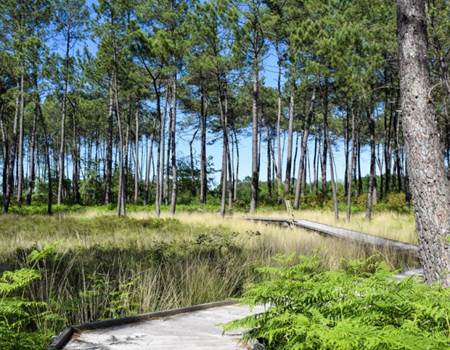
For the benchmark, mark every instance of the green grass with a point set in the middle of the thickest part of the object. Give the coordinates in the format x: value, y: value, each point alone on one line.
x: 98, y: 266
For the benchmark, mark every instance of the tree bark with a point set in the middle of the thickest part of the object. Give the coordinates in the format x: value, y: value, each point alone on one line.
x: 121, y: 208
x: 11, y: 159
x: 370, y: 196
x: 203, y: 159
x: 325, y: 142
x: 109, y: 148
x: 333, y: 180
x: 269, y: 162
x: 351, y: 170
x: 429, y: 185
x: 287, y: 180
x: 32, y: 150
x: 255, y: 148
x: 20, y: 145
x: 223, y: 110
x: 136, y: 155
x: 63, y: 122
x: 304, y: 145
x: 236, y: 176
x: 173, y: 200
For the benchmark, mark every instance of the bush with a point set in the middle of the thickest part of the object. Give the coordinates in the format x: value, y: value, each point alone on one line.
x: 358, y: 307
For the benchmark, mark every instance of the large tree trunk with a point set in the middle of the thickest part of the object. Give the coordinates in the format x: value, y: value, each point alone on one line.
x: 429, y: 185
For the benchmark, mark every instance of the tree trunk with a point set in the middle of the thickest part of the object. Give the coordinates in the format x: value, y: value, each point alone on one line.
x: 287, y: 180
x: 358, y: 157
x: 76, y: 162
x: 32, y: 151
x: 20, y: 146
x: 149, y: 160
x: 11, y: 159
x: 121, y: 209
x: 347, y: 148
x: 236, y: 178
x: 304, y: 145
x: 203, y: 159
x: 48, y: 164
x: 325, y: 142
x: 5, y: 151
x: 370, y: 196
x: 223, y: 110
x: 109, y: 148
x: 429, y: 185
x: 350, y: 170
x: 255, y: 172
x: 269, y: 162
x: 333, y: 180
x: 160, y: 151
x: 173, y: 200
x: 136, y: 155
x: 192, y: 164
x: 63, y: 121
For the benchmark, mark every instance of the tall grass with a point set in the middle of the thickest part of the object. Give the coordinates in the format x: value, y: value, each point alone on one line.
x: 102, y: 267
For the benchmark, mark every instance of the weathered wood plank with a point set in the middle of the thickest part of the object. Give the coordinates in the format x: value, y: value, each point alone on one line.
x: 342, y: 233
x: 198, y: 327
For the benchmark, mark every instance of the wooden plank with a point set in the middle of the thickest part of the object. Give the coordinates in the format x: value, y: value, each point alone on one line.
x: 342, y: 233
x: 197, y: 330
x: 64, y: 337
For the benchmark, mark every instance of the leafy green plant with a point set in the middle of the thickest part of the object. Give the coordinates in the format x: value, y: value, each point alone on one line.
x: 17, y: 314
x: 361, y: 306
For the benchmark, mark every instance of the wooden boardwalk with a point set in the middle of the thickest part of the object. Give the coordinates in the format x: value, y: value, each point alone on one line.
x: 342, y: 233
x: 197, y: 330
x: 198, y: 327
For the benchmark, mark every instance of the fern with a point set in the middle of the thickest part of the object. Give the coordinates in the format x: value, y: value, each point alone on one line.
x: 18, y: 315
x: 359, y: 307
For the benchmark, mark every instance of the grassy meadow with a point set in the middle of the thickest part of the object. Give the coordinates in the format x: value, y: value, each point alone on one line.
x: 94, y: 265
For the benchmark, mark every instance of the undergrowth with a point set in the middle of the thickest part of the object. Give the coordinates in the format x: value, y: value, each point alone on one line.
x: 20, y: 315
x: 361, y: 306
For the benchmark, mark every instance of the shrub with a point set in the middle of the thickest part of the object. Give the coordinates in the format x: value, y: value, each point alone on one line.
x: 358, y: 307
